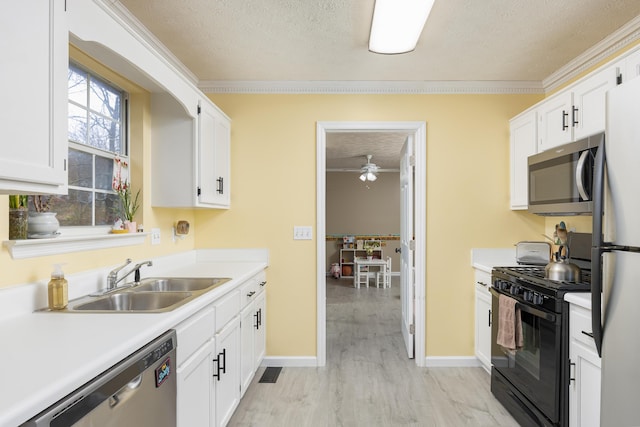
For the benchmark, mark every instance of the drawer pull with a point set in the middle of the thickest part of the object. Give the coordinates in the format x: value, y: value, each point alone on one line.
x: 250, y: 294
x: 263, y: 283
x: 482, y: 283
x: 589, y: 334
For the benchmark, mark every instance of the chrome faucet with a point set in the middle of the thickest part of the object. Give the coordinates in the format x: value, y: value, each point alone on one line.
x: 112, y: 279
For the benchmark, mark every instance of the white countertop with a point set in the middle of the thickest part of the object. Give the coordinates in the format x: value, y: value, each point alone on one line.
x: 48, y: 355
x: 485, y: 259
x: 582, y: 299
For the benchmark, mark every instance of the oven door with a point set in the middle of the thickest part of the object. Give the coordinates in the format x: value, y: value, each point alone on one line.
x: 535, y: 370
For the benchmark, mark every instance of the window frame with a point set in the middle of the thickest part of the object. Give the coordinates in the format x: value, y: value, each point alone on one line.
x: 125, y: 131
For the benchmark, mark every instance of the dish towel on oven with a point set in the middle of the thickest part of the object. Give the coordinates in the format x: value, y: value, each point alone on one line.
x: 509, y: 324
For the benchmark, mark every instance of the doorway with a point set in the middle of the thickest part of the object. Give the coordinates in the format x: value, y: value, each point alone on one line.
x: 418, y: 131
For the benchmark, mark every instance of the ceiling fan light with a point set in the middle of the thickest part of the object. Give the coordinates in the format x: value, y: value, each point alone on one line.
x: 371, y: 176
x: 363, y: 177
x: 396, y: 25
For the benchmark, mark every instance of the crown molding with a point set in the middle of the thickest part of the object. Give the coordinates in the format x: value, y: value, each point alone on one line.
x: 371, y: 87
x: 141, y: 32
x: 616, y: 41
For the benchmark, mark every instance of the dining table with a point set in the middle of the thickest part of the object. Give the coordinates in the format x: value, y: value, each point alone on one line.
x: 363, y: 266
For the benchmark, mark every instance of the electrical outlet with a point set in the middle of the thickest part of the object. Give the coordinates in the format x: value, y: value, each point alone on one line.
x: 302, y: 232
x: 155, y: 236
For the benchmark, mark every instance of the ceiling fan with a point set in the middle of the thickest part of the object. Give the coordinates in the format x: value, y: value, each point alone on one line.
x: 369, y: 171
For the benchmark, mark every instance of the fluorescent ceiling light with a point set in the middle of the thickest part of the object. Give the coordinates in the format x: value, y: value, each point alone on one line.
x: 397, y: 25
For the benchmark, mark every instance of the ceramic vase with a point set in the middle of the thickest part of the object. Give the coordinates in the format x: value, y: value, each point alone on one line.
x: 131, y: 226
x: 42, y: 224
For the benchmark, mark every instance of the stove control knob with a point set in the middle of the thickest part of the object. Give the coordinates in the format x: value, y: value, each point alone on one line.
x: 527, y: 296
x: 537, y: 299
x: 515, y: 290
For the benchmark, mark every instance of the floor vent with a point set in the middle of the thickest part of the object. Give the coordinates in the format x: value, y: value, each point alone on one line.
x: 270, y: 374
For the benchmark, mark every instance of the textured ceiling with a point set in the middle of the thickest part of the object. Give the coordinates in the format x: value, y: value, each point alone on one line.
x: 469, y: 40
x: 327, y: 40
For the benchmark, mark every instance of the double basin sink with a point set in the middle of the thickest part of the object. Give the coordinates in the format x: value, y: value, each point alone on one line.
x: 151, y: 295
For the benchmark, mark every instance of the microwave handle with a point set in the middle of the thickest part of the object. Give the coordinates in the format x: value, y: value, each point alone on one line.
x: 580, y: 173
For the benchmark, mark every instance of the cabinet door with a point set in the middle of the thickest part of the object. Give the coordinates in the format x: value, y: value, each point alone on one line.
x: 584, y: 391
x: 194, y: 388
x: 260, y: 336
x: 227, y: 372
x: 33, y: 80
x: 247, y: 328
x: 554, y: 121
x: 631, y: 68
x: 588, y: 111
x: 483, y: 326
x: 214, y: 138
x: 523, y: 144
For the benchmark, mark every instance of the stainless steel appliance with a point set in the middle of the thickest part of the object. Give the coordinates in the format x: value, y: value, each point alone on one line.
x: 560, y: 179
x: 532, y: 382
x: 616, y: 258
x: 137, y: 392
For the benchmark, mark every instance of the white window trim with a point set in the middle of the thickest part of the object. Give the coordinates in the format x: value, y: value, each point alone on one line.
x: 68, y: 242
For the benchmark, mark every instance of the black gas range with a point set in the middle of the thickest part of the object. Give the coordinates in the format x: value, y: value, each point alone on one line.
x: 532, y: 381
x: 528, y: 285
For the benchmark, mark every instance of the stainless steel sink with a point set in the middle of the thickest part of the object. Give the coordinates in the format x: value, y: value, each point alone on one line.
x: 179, y: 284
x: 134, y: 302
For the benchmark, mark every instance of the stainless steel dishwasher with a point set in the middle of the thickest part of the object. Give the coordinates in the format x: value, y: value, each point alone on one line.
x: 138, y: 391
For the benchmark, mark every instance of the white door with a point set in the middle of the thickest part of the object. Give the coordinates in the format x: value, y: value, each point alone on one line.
x: 407, y: 244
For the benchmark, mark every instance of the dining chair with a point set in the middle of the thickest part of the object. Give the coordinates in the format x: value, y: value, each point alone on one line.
x: 384, y: 275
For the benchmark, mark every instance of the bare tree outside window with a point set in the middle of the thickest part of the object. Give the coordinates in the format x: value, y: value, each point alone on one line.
x: 97, y: 134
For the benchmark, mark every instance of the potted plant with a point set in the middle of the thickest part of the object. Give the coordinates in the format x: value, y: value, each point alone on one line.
x: 42, y: 222
x: 129, y: 205
x: 18, y: 216
x: 370, y: 248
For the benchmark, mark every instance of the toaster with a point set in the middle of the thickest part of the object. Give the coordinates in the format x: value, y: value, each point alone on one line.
x: 533, y: 253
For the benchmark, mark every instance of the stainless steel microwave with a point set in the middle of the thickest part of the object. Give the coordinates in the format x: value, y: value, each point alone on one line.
x: 561, y: 179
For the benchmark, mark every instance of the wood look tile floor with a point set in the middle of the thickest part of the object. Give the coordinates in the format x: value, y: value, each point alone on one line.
x: 368, y: 379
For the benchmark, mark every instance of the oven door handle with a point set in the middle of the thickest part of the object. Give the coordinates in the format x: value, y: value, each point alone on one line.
x: 531, y: 310
x: 538, y: 313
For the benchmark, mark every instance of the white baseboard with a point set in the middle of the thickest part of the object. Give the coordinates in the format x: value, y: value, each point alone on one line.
x: 291, y: 361
x: 452, y: 362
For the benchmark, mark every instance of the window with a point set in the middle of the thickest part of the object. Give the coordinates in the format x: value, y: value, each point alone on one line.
x: 97, y: 135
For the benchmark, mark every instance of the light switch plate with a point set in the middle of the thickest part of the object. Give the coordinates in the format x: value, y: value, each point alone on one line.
x: 302, y: 232
x: 155, y: 236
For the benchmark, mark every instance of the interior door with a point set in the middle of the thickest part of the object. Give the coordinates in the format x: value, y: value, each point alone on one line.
x: 407, y: 263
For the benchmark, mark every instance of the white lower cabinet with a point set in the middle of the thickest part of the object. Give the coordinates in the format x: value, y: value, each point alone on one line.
x: 483, y: 319
x: 253, y: 337
x: 226, y: 371
x: 195, y: 388
x: 584, y: 386
x: 215, y: 355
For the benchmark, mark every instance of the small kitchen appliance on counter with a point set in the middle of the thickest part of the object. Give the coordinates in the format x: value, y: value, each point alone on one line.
x: 532, y: 381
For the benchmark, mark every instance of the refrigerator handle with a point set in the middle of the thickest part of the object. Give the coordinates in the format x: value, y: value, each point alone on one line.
x: 596, y: 297
x: 597, y: 249
x: 598, y: 196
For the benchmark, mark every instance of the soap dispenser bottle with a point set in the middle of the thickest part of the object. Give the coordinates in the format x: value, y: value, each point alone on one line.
x: 58, y: 289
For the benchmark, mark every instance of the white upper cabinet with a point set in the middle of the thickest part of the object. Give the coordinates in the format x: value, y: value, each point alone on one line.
x: 554, y: 121
x: 631, y: 66
x: 523, y: 144
x: 214, y: 138
x: 33, y: 79
x: 190, y: 156
x: 577, y: 111
x: 588, y: 111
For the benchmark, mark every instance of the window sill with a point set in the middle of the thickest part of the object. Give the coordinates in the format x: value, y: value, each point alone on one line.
x: 31, y: 248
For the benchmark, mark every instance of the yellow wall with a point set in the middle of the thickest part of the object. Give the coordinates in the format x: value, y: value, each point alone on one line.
x: 33, y: 269
x: 273, y: 188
